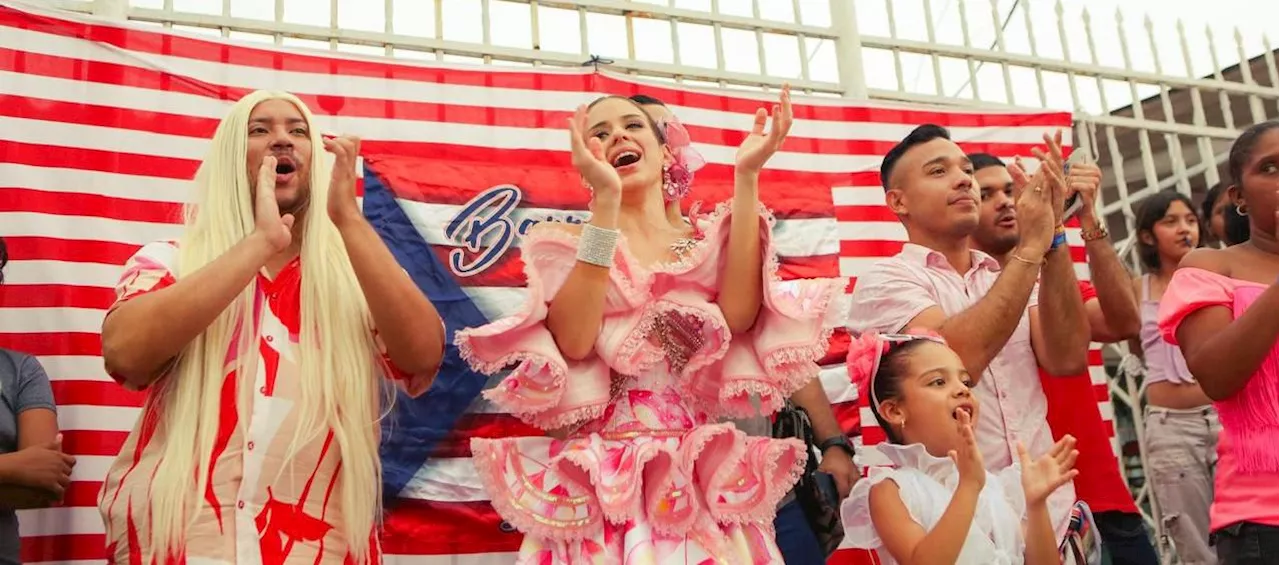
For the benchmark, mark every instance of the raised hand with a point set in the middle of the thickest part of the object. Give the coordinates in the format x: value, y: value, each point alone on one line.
x: 588, y: 157
x: 759, y: 146
x: 1044, y: 475
x: 274, y: 228
x: 1052, y: 165
x: 1084, y: 178
x: 967, y: 457
x: 342, y: 183
x: 1033, y: 202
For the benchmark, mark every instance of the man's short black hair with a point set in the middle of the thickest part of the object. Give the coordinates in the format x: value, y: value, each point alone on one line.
x: 922, y: 134
x: 983, y: 160
x: 645, y: 99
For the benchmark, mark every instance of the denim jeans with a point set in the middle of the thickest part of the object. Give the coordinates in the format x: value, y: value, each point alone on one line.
x: 1247, y: 543
x: 795, y: 538
x: 1181, y: 456
x: 1124, y: 539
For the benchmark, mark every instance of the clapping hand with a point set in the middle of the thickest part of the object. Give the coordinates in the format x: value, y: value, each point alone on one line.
x: 967, y: 457
x: 588, y: 157
x: 759, y: 146
x: 1044, y: 475
x: 342, y: 184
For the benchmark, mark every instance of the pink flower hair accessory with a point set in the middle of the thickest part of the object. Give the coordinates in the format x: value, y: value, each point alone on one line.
x: 677, y: 176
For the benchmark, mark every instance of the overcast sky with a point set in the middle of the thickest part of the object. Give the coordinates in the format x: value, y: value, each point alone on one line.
x: 510, y: 26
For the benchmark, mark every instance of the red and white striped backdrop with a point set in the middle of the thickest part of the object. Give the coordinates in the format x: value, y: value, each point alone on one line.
x: 102, y: 122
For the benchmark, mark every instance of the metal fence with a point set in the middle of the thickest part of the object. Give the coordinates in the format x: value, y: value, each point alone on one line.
x: 1174, y: 132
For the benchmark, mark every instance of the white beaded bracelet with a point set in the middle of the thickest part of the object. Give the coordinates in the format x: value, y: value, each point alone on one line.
x: 596, y: 246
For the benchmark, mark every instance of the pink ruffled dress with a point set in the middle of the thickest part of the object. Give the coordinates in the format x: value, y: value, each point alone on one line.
x: 643, y: 476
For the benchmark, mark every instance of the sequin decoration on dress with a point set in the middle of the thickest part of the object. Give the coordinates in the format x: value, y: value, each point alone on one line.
x: 642, y: 476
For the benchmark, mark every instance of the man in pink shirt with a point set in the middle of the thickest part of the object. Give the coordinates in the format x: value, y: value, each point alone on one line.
x: 991, y: 317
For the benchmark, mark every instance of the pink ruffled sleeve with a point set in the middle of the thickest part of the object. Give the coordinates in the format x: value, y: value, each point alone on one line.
x: 544, y: 389
x: 780, y: 353
x: 1190, y: 290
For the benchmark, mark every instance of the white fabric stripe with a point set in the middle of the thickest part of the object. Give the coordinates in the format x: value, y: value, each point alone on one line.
x: 407, y: 90
x: 74, y: 368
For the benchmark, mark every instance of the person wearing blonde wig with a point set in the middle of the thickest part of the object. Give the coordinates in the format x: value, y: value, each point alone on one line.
x: 262, y: 335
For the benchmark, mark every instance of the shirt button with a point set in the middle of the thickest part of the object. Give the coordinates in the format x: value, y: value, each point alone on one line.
x: 250, y: 446
x: 240, y: 505
x: 263, y: 389
x: 270, y: 339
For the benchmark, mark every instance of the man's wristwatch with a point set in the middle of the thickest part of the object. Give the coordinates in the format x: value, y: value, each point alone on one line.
x: 839, y: 441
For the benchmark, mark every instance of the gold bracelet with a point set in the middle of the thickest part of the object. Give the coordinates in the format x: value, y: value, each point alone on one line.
x: 1094, y: 234
x: 1017, y: 257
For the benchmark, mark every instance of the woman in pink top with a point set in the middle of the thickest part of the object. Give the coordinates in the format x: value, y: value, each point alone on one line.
x: 1221, y: 309
x: 637, y: 334
x: 1180, y: 425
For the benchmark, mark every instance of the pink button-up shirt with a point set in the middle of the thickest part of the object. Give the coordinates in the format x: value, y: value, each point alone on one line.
x: 1012, y: 402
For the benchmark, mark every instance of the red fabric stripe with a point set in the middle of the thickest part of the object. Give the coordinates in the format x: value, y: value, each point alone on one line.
x: 32, y: 248
x: 457, y: 443
x: 93, y: 442
x: 94, y: 205
x: 424, y: 527
x: 61, y: 343
x: 80, y: 547
x: 50, y: 295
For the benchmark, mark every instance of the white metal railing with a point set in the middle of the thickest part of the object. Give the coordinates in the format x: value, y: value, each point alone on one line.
x: 824, y: 48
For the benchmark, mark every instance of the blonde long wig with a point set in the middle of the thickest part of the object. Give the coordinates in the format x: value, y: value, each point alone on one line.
x: 340, y: 389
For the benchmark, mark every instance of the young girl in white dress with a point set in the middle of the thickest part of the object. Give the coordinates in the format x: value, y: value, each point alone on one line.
x: 938, y: 504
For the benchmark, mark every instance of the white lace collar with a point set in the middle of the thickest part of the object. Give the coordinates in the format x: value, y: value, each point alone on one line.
x: 914, y: 456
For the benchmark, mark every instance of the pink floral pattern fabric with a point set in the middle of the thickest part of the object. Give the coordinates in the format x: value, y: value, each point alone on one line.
x: 642, y: 476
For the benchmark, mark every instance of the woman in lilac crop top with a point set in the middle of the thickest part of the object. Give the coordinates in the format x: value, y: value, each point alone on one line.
x: 1221, y: 310
x: 1180, y: 427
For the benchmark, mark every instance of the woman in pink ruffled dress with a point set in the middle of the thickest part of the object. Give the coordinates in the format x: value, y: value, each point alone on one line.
x: 639, y: 332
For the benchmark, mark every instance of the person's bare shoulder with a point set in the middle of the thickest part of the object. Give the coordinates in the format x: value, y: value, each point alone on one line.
x: 1213, y: 260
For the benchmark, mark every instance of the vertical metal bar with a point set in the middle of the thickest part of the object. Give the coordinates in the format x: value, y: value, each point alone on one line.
x: 389, y: 28
x: 897, y: 53
x: 1093, y: 57
x: 277, y: 38
x: 755, y: 13
x: 1066, y: 56
x: 333, y: 24
x: 226, y: 13
x: 848, y: 47
x: 1271, y: 60
x: 1031, y: 40
x: 932, y: 35
x: 1224, y: 100
x: 719, y: 37
x: 973, y: 65
x: 998, y: 25
x: 486, y: 34
x: 675, y: 41
x: 1246, y: 72
x: 1203, y: 143
x: 439, y: 27
x: 1172, y: 143
x: 584, y: 40
x: 1144, y: 140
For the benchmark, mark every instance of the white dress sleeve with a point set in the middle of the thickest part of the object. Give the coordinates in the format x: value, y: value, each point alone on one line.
x: 855, y: 511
